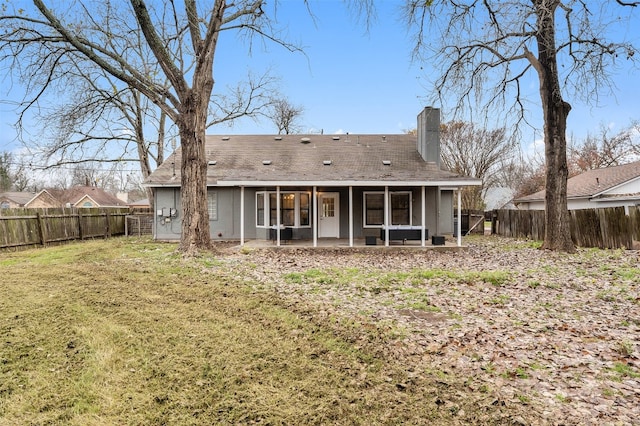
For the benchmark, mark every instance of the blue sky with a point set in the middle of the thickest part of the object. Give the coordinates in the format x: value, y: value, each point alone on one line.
x: 356, y: 81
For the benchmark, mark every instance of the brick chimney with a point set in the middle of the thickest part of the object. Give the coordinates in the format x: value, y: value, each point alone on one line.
x: 429, y: 135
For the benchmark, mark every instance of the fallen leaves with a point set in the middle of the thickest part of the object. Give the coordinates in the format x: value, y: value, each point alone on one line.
x: 555, y: 332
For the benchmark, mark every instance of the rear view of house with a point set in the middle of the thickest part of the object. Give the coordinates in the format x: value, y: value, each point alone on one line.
x: 311, y: 187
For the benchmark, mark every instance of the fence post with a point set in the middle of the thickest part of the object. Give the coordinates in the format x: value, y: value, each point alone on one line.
x: 80, y: 230
x: 108, y: 224
x: 41, y: 232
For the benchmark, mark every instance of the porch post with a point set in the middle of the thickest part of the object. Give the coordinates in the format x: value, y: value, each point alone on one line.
x: 278, y: 216
x: 386, y: 216
x: 437, y: 232
x: 242, y: 215
x: 315, y: 216
x: 460, y: 217
x: 350, y: 216
x: 424, y: 216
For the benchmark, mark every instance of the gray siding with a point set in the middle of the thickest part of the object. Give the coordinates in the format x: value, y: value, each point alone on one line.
x: 225, y: 223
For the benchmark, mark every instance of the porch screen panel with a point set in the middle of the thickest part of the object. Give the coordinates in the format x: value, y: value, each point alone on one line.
x: 400, y: 209
x: 374, y: 209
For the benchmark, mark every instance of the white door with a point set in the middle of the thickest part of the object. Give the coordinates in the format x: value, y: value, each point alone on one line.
x: 329, y: 215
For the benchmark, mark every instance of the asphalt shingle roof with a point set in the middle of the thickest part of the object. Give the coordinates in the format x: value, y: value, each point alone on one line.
x: 76, y: 193
x: 303, y: 158
x: 21, y: 198
x: 594, y: 182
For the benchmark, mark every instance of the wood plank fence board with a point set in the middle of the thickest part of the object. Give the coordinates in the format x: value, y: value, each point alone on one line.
x: 612, y: 227
x: 28, y: 227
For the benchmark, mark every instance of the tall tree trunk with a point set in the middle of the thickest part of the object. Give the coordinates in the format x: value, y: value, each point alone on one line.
x: 195, y: 212
x: 556, y: 110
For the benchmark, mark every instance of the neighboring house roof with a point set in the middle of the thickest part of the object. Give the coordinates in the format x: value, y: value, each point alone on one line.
x: 312, y: 159
x: 595, y: 183
x: 30, y: 199
x: 78, y: 195
x: 140, y: 203
x: 20, y: 198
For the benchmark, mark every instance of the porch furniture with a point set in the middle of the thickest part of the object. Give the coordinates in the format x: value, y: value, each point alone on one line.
x: 286, y: 234
x: 437, y: 240
x: 404, y: 233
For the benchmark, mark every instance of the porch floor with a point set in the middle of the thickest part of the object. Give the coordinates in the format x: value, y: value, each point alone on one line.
x: 360, y: 243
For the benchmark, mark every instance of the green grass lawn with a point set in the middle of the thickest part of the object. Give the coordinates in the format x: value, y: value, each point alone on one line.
x: 127, y: 331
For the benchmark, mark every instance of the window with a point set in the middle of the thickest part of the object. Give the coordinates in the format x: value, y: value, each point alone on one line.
x: 399, y: 206
x: 304, y: 209
x: 212, y: 204
x: 294, y: 209
x: 260, y: 209
x: 373, y: 208
x: 288, y: 209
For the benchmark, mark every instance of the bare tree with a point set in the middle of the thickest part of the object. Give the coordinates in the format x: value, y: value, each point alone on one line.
x: 487, y: 50
x: 5, y: 171
x: 603, y: 150
x: 285, y: 116
x: 175, y: 72
x: 477, y: 152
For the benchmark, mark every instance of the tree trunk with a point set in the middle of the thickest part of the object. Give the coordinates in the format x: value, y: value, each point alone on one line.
x: 556, y: 110
x: 195, y: 212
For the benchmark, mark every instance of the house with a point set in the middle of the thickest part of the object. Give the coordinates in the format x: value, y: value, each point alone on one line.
x: 311, y: 187
x: 42, y: 199
x: 86, y: 196
x: 617, y: 186
x: 77, y: 196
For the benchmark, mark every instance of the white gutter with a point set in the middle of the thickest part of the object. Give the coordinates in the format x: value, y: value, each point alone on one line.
x: 445, y: 184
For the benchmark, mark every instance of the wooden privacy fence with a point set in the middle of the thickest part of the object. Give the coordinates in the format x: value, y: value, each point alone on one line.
x: 604, y: 228
x: 26, y: 227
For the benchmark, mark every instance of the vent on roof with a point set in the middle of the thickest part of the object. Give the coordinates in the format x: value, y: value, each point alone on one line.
x: 278, y: 138
x: 225, y: 138
x: 336, y: 138
x: 266, y: 162
x: 386, y: 162
x: 384, y: 139
x: 213, y: 162
x: 305, y: 140
x: 327, y: 162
